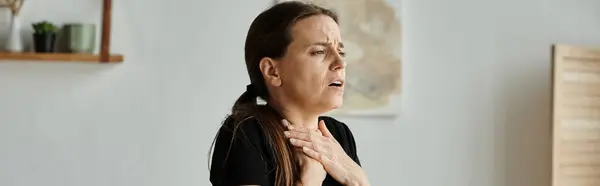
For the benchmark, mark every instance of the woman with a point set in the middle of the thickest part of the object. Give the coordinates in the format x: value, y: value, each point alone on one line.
x: 294, y: 59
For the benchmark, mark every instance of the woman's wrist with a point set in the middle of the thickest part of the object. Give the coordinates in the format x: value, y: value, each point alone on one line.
x: 357, y: 177
x: 358, y: 181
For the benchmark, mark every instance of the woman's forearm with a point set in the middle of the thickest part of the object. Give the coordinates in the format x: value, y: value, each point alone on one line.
x: 359, y: 182
x: 362, y: 181
x: 357, y: 177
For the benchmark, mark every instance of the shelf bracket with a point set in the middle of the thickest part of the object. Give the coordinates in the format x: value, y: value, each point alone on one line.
x: 106, y: 29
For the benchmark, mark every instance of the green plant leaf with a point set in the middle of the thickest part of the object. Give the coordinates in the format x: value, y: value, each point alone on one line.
x: 43, y: 27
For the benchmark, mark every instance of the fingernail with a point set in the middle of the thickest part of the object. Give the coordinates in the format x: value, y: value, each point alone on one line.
x: 285, y: 123
x: 292, y: 140
x: 286, y: 133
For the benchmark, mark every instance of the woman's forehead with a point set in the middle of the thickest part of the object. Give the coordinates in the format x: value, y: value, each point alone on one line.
x: 316, y: 29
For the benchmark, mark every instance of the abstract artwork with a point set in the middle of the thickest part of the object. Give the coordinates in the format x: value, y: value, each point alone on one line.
x: 372, y: 36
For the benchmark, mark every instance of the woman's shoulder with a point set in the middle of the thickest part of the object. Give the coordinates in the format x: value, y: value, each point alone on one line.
x: 248, y: 128
x: 241, y: 154
x: 244, y: 136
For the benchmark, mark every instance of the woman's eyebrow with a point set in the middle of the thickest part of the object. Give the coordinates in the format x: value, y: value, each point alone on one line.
x: 326, y: 44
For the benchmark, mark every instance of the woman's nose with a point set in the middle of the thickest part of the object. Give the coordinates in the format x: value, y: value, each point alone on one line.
x: 338, y: 63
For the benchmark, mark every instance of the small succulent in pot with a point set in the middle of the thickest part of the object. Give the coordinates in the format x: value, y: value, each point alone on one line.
x: 44, y: 36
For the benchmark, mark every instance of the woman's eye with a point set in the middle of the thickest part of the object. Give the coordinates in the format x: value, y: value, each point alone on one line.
x: 318, y: 52
x: 342, y: 53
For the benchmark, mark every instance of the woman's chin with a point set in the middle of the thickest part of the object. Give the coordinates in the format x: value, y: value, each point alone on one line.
x: 335, y: 103
x: 328, y: 104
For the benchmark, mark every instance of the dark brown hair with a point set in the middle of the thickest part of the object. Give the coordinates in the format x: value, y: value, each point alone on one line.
x: 269, y: 36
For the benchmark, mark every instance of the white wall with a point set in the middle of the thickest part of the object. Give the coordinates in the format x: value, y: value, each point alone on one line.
x: 476, y: 100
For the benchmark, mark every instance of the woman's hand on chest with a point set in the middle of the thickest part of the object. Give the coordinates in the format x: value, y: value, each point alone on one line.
x: 323, y: 147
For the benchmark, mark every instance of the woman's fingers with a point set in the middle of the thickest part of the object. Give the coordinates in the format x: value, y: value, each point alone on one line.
x: 301, y: 143
x: 285, y: 122
x: 324, y: 130
x: 311, y: 153
x: 298, y: 135
x: 319, y: 130
x: 300, y: 128
x: 301, y: 140
x: 315, y: 155
x: 327, y: 163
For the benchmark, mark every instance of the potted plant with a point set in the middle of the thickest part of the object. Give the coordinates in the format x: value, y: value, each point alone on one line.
x: 44, y: 36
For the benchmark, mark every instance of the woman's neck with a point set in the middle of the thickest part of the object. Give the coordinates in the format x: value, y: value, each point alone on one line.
x: 297, y: 116
x: 295, y: 119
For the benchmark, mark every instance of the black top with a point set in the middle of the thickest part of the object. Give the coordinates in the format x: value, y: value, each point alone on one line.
x: 251, y: 160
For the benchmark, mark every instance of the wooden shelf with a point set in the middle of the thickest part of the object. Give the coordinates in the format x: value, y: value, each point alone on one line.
x: 67, y: 57
x: 105, y: 55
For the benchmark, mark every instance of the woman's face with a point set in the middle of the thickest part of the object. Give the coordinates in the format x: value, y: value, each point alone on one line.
x: 311, y: 74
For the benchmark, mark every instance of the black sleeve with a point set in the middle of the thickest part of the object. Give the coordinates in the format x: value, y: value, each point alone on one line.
x: 239, y: 161
x: 352, y: 144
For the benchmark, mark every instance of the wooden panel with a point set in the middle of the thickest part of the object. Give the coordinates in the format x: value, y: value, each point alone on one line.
x: 576, y: 116
x: 54, y: 57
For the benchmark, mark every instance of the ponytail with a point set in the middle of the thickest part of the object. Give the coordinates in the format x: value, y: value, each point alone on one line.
x: 247, y: 100
x: 287, y: 168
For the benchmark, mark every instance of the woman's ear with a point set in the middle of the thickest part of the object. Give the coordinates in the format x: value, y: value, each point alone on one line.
x: 270, y: 71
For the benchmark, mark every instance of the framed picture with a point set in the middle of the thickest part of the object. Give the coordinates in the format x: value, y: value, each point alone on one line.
x: 372, y: 36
